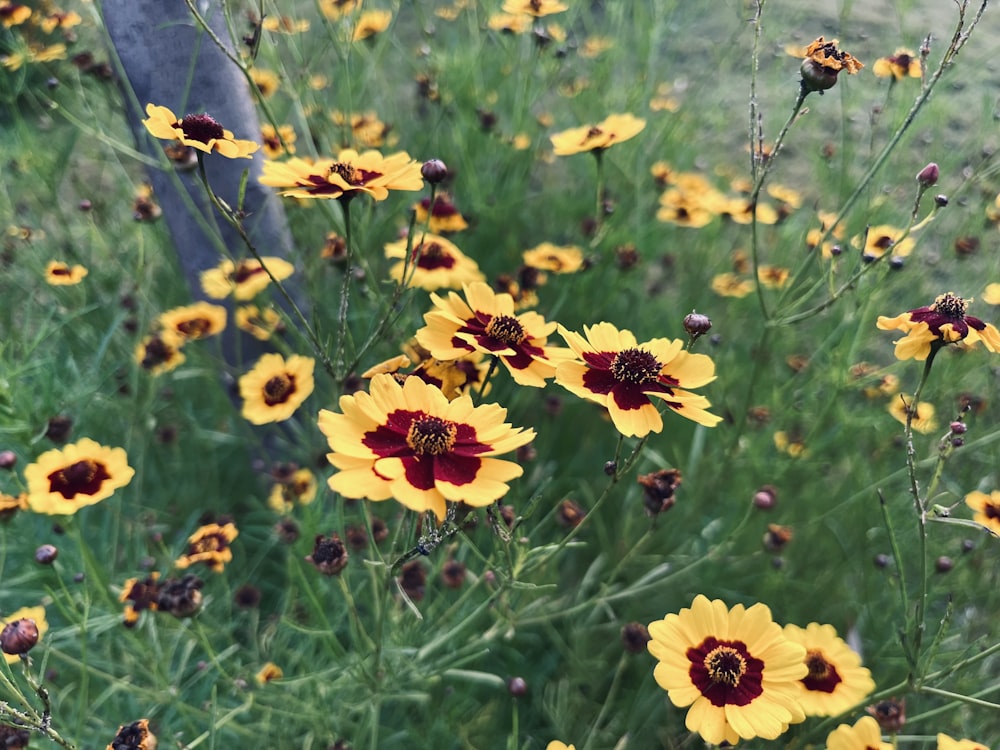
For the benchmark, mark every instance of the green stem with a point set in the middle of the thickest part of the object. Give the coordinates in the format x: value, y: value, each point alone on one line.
x: 608, y: 701
x: 960, y: 698
x: 345, y: 289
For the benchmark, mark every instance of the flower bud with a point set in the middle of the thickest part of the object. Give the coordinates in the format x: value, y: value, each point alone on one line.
x: 816, y: 77
x: 635, y: 636
x: 928, y: 176
x: 940, y: 201
x: 890, y: 714
x: 434, y: 171
x: 46, y: 554
x: 7, y: 459
x: 517, y: 687
x: 697, y: 324
x: 958, y: 428
x: 19, y: 637
x: 766, y: 497
x: 943, y: 564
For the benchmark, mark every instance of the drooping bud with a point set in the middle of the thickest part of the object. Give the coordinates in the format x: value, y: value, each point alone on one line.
x: 928, y: 176
x: 19, y: 637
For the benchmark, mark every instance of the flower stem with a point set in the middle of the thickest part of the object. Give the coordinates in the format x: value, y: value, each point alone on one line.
x: 345, y: 290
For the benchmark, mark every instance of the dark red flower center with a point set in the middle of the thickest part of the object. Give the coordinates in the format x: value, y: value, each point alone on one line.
x: 433, y: 256
x: 950, y: 306
x: 82, y: 478
x: 635, y: 366
x: 201, y: 128
x: 279, y: 389
x: 60, y: 271
x: 194, y: 328
x: 430, y: 435
x: 245, y: 270
x: 209, y: 542
x: 506, y: 329
x: 157, y: 352
x: 725, y: 672
x: 823, y: 676
x: 991, y: 510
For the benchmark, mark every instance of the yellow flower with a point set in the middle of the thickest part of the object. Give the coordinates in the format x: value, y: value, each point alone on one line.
x: 485, y: 322
x: 942, y: 322
x: 267, y: 81
x: 454, y: 377
x: 197, y: 131
x: 61, y: 274
x: 13, y: 14
x: 992, y: 294
x: 790, y: 444
x: 59, y: 20
x: 259, y: 323
x: 285, y: 25
x: 276, y: 387
x: 944, y: 742
x: 244, y: 279
x: 882, y: 238
x: 348, y: 175
x: 195, y: 321
x: 923, y: 420
x: 209, y: 545
x: 625, y: 377
x: 35, y: 614
x: 510, y: 23
x: 160, y: 352
x: 442, y: 217
x: 365, y: 128
x: 595, y: 46
x: 549, y: 257
x: 772, y: 277
x: 268, y: 672
x: 370, y: 23
x: 987, y: 509
x: 836, y: 681
x: 334, y: 10
x: 864, y: 735
x: 557, y: 745
x: 613, y: 129
x: 299, y: 489
x: 823, y: 62
x: 135, y: 735
x: 733, y: 667
x: 278, y: 142
x: 63, y: 480
x: 410, y: 443
x: 731, y: 285
x: 898, y: 65
x: 435, y: 263
x: 11, y: 504
x: 535, y: 8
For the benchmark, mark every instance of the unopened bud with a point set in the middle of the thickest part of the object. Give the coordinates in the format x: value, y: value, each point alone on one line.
x: 434, y: 171
x: 958, y: 428
x: 697, y: 324
x: 941, y: 201
x: 19, y: 637
x: 517, y: 687
x: 943, y: 564
x: 46, y: 554
x: 7, y: 459
x: 928, y: 176
x: 765, y: 498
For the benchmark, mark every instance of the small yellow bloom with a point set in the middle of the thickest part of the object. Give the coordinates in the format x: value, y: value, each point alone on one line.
x: 613, y: 129
x: 244, y: 279
x: 865, y: 735
x: 160, y: 352
x: 884, y: 238
x: 987, y: 509
x: 554, y: 258
x: 334, y: 10
x: 923, y: 420
x: 731, y: 285
x: 535, y: 8
x: 278, y: 142
x: 259, y: 323
x: 198, y: 131
x: 276, y: 387
x: 197, y: 321
x: 58, y: 273
x: 299, y: 489
x: 267, y: 81
x: 63, y: 480
x: 900, y: 64
x: 992, y: 294
x: 370, y: 23
x: 772, y: 277
x: 209, y: 545
x: 268, y: 672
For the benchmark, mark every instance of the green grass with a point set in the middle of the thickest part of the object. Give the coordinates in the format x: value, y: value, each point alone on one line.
x: 360, y: 662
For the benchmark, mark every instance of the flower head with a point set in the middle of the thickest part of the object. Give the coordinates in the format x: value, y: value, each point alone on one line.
x: 209, y: 545
x: 549, y: 257
x: 942, y: 322
x: 276, y: 387
x: 613, y: 129
x: 944, y: 742
x: 370, y: 23
x: 63, y: 480
x: 484, y: 321
x: 733, y: 667
x: 195, y: 321
x: 900, y: 64
x: 436, y: 263
x: 134, y: 736
x: 268, y: 672
x: 138, y: 595
x: 334, y: 10
x: 922, y: 417
x: 453, y: 377
x: 442, y: 216
x: 298, y: 489
x: 35, y: 615
x: 58, y: 273
x: 244, y: 279
x: 987, y: 509
x: 535, y: 8
x: 865, y: 735
x: 624, y: 376
x: 160, y: 352
x: 259, y: 323
x: 278, y: 142
x: 822, y: 64
x: 197, y: 131
x: 350, y: 174
x: 882, y: 238
x: 410, y: 443
x: 836, y: 681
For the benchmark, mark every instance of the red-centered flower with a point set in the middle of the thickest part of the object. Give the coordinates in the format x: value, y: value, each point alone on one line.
x: 485, y: 322
x: 943, y: 322
x: 836, y: 681
x: 624, y: 376
x: 198, y: 131
x: 350, y: 174
x: 733, y: 667
x: 410, y: 443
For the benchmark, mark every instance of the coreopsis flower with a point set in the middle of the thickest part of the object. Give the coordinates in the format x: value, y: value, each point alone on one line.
x: 410, y: 443
x: 350, y: 174
x: 197, y: 131
x: 334, y: 10
x: 370, y: 23
x: 823, y: 63
x: 836, y: 681
x: 790, y: 443
x: 884, y: 238
x: 742, y: 211
x: 865, y: 735
x: 557, y: 745
x: 196, y: 321
x: 268, y: 672
x: 900, y: 64
x: 922, y: 420
x: 613, y: 129
x: 944, y: 742
x: 625, y: 376
x: 299, y: 489
x: 554, y: 258
x: 484, y: 321
x: 276, y: 387
x: 144, y: 207
x: 285, y: 25
x: 442, y: 216
x: 435, y: 263
x: 33, y: 53
x: 329, y: 555
x: 58, y: 273
x: 244, y: 279
x: 209, y: 545
x: 267, y: 81
x: 159, y: 352
x: 278, y: 142
x: 986, y: 508
x: 510, y: 23
x: 63, y: 480
x: 11, y: 504
x: 138, y: 595
x: 991, y: 296
x: 813, y: 236
x: 365, y: 129
x: 942, y: 322
x: 261, y: 323
x: 13, y: 14
x: 453, y: 377
x: 733, y: 667
x: 34, y: 614
x: 535, y: 8
x: 134, y: 736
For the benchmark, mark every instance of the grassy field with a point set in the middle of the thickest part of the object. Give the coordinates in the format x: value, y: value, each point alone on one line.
x: 227, y: 573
